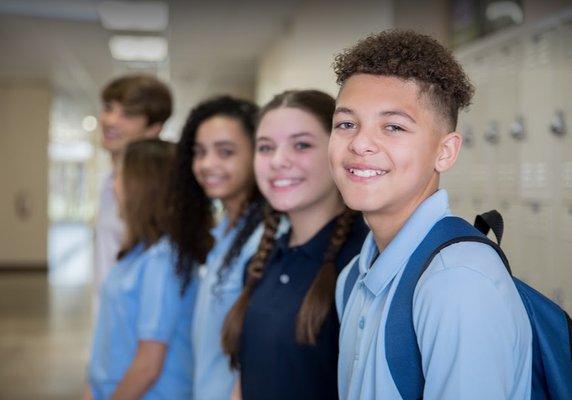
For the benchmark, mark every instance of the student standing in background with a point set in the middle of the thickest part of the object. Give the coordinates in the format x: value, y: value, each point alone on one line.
x: 282, y: 333
x: 218, y: 148
x: 141, y: 346
x: 133, y: 107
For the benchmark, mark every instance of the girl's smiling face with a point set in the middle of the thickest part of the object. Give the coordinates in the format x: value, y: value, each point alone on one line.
x: 222, y: 159
x: 291, y: 160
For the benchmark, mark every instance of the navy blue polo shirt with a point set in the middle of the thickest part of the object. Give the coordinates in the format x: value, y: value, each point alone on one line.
x: 273, y: 365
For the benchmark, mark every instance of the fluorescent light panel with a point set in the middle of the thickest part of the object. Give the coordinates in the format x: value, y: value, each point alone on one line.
x: 509, y: 9
x: 138, y: 48
x: 147, y: 16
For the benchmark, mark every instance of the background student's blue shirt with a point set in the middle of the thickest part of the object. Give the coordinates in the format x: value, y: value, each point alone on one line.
x: 473, y: 331
x: 213, y: 378
x: 141, y: 300
x: 273, y: 364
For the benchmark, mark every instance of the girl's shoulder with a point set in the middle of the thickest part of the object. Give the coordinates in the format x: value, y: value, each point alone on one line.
x: 162, y: 250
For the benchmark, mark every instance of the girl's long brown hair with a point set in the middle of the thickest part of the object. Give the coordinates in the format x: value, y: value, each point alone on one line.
x: 145, y: 169
x: 317, y: 303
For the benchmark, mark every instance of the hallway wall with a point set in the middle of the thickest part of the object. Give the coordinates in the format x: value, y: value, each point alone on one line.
x: 24, y: 127
x: 302, y: 57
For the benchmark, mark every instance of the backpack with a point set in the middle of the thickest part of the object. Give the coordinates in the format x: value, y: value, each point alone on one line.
x: 551, y: 326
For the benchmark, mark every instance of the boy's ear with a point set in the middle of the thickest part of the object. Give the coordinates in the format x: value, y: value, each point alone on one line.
x: 153, y: 130
x: 449, y: 149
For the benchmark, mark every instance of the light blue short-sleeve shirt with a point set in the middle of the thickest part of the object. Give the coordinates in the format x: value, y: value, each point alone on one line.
x: 472, y: 328
x: 213, y: 378
x: 141, y: 300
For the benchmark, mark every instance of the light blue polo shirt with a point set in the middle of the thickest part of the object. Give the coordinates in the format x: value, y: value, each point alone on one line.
x: 472, y: 329
x: 213, y: 377
x: 141, y: 300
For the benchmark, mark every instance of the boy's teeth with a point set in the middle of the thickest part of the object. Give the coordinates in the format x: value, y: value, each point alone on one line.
x: 365, y: 173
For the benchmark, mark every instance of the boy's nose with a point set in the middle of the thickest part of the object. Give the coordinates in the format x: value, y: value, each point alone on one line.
x: 363, y: 144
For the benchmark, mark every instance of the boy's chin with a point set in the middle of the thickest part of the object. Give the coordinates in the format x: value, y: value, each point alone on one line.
x: 359, y: 203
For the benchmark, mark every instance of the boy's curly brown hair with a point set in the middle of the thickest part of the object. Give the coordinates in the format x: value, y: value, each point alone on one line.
x: 411, y: 56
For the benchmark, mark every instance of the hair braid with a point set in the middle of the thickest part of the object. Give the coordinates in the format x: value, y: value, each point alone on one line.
x: 233, y: 323
x: 318, y: 300
x: 250, y: 217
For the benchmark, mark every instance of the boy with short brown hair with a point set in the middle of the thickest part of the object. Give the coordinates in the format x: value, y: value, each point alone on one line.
x: 134, y: 107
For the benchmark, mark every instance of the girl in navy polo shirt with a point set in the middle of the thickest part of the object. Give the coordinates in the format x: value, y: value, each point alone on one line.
x: 282, y: 333
x: 216, y: 152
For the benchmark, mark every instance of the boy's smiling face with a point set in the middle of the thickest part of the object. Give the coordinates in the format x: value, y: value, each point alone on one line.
x: 388, y: 145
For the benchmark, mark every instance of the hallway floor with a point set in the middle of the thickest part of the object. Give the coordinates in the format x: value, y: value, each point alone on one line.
x: 44, y: 338
x: 45, y: 322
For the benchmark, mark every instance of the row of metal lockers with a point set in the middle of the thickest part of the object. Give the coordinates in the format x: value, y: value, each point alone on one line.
x: 517, y: 153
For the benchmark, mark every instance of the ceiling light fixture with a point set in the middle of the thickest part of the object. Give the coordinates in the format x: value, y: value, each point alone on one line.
x: 138, y: 48
x: 504, y: 9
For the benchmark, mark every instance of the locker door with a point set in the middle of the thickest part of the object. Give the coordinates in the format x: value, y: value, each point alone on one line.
x: 537, y: 186
x: 563, y: 171
x: 562, y: 291
x: 457, y: 180
x: 505, y: 156
x: 478, y: 188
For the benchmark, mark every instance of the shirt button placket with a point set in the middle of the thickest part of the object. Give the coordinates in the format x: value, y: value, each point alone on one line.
x: 361, y: 323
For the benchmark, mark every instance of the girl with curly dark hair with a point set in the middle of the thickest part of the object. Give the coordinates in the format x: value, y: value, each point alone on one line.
x: 218, y: 149
x: 282, y: 333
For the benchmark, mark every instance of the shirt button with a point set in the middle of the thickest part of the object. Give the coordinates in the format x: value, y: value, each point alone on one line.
x: 361, y: 322
x: 284, y: 279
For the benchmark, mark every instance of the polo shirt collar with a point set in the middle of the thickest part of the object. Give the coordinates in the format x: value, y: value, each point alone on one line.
x: 218, y: 231
x: 313, y: 249
x: 135, y: 252
x: 388, y: 263
x: 222, y: 239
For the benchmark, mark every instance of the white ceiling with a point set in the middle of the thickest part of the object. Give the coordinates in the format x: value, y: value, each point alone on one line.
x: 214, y: 46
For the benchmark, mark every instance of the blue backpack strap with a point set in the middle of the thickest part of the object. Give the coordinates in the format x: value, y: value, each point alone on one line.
x: 401, y: 348
x: 350, y: 281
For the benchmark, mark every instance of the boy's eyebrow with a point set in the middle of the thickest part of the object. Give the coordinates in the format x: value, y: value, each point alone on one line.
x: 343, y: 110
x: 263, y: 138
x: 389, y: 113
x: 399, y: 113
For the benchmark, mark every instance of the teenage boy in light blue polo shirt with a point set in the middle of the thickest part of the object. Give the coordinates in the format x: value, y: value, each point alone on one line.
x: 394, y: 134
